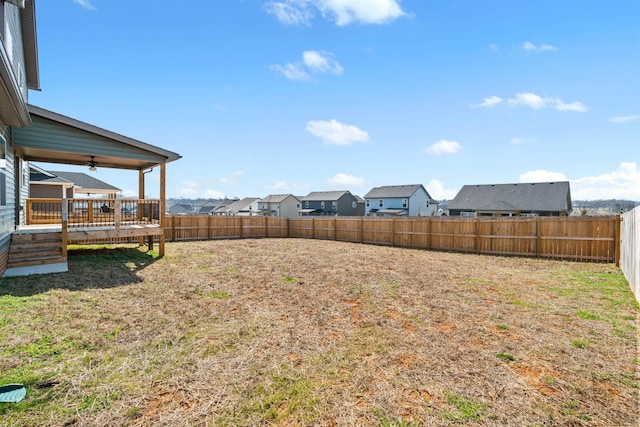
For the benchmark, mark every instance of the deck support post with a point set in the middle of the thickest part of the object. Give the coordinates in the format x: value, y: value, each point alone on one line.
x: 163, y: 201
x: 140, y: 196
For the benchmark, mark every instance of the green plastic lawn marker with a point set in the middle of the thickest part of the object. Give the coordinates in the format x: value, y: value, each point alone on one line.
x: 12, y: 393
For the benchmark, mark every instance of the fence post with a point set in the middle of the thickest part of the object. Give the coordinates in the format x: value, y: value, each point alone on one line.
x: 361, y: 229
x: 616, y: 233
x: 393, y: 232
x: 429, y: 227
x: 241, y: 227
x: 538, y: 236
x: 288, y: 227
x: 313, y: 228
x: 477, y: 242
x: 335, y: 228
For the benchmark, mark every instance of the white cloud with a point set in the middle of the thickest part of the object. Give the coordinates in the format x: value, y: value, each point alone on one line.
x: 231, y: 179
x: 437, y: 191
x: 334, y: 132
x: 528, y: 99
x: 494, y: 47
x: 342, y: 12
x: 530, y: 47
x: 572, y: 106
x: 290, y: 12
x: 533, y: 101
x: 491, y: 101
x: 291, y: 71
x: 343, y: 180
x: 312, y: 62
x: 625, y: 119
x: 283, y: 186
x: 85, y: 3
x: 542, y: 176
x: 213, y: 194
x: 321, y: 62
x: 443, y: 147
x: 623, y: 183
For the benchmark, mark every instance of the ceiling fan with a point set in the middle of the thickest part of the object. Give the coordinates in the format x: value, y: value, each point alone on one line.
x: 92, y: 164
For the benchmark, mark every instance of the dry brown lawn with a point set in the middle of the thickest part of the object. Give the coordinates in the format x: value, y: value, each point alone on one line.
x: 294, y: 332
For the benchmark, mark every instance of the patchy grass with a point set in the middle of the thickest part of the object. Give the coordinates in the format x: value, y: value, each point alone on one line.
x: 300, y: 332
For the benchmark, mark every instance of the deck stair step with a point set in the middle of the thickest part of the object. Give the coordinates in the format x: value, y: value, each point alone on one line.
x: 31, y: 249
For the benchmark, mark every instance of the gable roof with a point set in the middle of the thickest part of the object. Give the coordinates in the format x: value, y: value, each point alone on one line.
x: 535, y: 196
x: 319, y: 196
x: 276, y: 198
x: 239, y: 205
x: 86, y: 182
x: 397, y: 192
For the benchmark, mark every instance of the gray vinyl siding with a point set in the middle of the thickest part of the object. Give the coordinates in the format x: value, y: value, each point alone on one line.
x: 13, y: 44
x: 7, y: 211
x: 45, y: 134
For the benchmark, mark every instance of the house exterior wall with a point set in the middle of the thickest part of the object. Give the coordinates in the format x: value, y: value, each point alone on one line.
x: 14, y: 47
x: 347, y: 205
x: 289, y: 207
x: 417, y: 205
x: 8, y: 209
x: 46, y: 191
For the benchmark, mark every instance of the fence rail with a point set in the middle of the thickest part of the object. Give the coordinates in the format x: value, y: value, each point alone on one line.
x: 94, y: 212
x: 592, y: 239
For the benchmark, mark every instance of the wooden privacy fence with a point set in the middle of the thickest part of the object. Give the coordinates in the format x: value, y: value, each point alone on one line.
x: 630, y: 250
x: 592, y: 239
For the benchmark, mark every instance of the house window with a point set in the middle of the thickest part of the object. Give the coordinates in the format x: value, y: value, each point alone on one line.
x: 368, y: 203
x: 322, y: 205
x: 354, y: 205
x: 306, y: 204
x: 405, y: 202
x: 381, y: 203
x: 334, y: 204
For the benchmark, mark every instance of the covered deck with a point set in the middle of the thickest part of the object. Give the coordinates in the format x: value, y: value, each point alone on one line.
x: 55, y: 138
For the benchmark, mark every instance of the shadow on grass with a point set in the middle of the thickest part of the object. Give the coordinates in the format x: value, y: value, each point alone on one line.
x: 89, y: 268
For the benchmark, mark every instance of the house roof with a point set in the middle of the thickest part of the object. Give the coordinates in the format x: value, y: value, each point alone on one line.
x: 318, y: 196
x: 86, y: 182
x: 55, y: 138
x: 239, y: 205
x: 275, y: 198
x: 397, y: 192
x: 536, y: 196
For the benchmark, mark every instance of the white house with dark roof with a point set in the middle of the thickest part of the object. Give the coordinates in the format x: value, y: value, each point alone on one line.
x: 243, y: 207
x: 282, y: 205
x: 399, y: 200
x: 535, y: 198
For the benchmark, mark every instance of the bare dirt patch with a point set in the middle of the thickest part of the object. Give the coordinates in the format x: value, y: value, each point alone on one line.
x: 301, y: 332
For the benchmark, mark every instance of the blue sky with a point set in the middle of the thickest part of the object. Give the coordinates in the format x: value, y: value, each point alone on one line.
x: 292, y: 96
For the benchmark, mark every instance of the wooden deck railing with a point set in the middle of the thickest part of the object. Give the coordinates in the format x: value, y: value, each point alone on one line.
x: 93, y: 212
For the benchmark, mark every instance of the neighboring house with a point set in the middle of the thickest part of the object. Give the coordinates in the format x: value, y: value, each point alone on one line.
x: 244, y: 207
x: 218, y: 207
x: 341, y: 203
x: 399, y: 200
x: 536, y: 198
x: 179, y: 209
x: 46, y: 185
x: 205, y: 208
x: 283, y: 205
x: 83, y: 185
